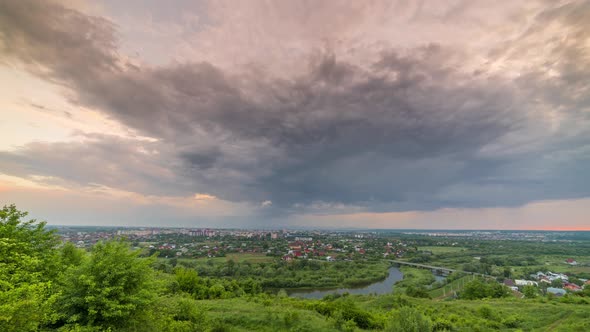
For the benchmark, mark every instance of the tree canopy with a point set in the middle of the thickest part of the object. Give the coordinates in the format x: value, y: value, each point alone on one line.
x: 28, y: 262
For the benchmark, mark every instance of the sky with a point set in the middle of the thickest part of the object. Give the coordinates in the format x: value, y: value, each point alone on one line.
x: 445, y: 114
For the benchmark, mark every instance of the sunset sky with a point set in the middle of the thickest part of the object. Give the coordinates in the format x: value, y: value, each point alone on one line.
x: 369, y: 114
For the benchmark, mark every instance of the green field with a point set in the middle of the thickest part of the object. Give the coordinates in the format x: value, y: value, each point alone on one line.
x: 247, y: 257
x: 236, y: 257
x: 442, y: 250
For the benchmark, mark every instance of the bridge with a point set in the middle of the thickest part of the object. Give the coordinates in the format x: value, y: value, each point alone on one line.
x: 444, y: 270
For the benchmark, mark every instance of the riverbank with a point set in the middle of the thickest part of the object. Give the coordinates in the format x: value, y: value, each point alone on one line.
x: 385, y: 286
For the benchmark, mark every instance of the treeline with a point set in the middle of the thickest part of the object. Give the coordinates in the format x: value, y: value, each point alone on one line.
x: 300, y: 273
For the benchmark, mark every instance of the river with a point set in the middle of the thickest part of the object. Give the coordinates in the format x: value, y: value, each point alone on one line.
x: 381, y: 287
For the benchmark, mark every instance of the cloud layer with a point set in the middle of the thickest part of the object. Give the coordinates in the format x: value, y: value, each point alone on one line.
x: 295, y: 107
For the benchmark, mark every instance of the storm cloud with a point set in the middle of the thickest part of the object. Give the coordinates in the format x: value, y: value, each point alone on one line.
x: 416, y: 127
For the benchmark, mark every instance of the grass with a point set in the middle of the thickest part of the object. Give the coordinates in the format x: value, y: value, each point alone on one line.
x: 442, y: 250
x: 238, y: 258
x: 264, y: 315
x: 249, y: 257
x: 508, y: 314
x: 288, y: 314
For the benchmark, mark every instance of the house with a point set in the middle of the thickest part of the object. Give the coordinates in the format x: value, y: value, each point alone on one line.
x: 509, y: 283
x: 545, y: 280
x: 552, y: 276
x: 571, y: 261
x: 520, y: 282
x: 572, y: 287
x: 555, y: 291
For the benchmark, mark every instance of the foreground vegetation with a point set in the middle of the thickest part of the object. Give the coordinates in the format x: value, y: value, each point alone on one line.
x: 49, y: 286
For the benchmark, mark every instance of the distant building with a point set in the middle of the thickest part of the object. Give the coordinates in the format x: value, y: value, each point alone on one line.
x: 556, y: 291
x: 520, y: 282
x: 572, y: 287
x: 552, y: 276
x: 509, y: 282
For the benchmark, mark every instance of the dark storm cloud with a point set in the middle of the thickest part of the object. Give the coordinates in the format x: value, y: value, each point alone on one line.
x: 406, y: 131
x: 54, y: 40
x: 97, y: 160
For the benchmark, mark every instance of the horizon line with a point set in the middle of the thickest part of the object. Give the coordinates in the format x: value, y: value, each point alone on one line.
x: 336, y: 229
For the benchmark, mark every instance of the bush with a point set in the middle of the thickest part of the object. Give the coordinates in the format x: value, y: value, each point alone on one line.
x: 511, y: 321
x: 442, y: 324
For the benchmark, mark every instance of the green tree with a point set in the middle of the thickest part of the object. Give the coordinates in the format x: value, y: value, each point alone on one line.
x: 576, y: 281
x: 28, y: 262
x: 558, y: 283
x: 409, y: 319
x: 70, y: 255
x: 187, y: 280
x: 417, y: 291
x: 479, y: 289
x: 475, y: 289
x: 530, y: 291
x: 109, y: 289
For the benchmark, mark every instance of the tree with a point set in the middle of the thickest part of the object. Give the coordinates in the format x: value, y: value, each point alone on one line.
x: 188, y: 281
x: 475, y: 289
x: 109, y: 289
x: 479, y: 289
x: 530, y: 291
x: 410, y: 320
x: 70, y: 255
x: 558, y: 283
x: 28, y: 262
x: 576, y: 281
x: 417, y: 291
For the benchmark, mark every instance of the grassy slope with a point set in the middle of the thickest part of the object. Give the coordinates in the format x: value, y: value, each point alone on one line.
x: 265, y: 315
x: 286, y: 314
